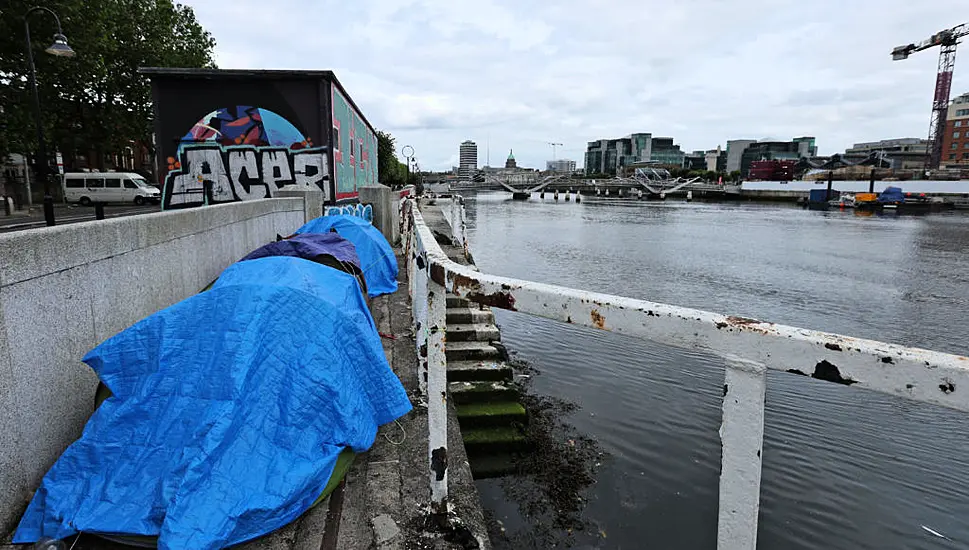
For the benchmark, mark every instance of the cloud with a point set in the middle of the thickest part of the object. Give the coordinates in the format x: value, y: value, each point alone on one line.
x: 520, y: 74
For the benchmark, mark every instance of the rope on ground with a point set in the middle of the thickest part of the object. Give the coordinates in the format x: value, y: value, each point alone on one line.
x: 402, y: 439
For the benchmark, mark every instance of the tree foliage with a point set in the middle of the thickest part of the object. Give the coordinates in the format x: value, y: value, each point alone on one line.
x: 96, y: 101
x: 386, y: 158
x: 391, y: 171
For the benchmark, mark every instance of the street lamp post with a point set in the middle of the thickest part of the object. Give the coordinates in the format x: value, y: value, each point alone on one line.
x: 60, y: 49
x: 408, y: 153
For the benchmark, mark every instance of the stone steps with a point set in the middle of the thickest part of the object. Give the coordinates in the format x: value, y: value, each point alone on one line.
x: 464, y: 393
x: 482, y: 415
x: 465, y: 315
x: 475, y: 371
x: 479, y: 332
x: 472, y: 351
x: 493, y: 440
x: 480, y: 385
x: 457, y: 301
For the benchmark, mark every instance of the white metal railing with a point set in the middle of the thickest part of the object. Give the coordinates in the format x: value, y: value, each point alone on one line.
x: 749, y: 348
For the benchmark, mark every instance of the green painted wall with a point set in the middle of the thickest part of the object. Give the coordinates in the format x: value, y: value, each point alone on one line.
x: 354, y: 148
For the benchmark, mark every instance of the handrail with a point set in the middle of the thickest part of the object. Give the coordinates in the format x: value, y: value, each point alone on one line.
x: 748, y: 347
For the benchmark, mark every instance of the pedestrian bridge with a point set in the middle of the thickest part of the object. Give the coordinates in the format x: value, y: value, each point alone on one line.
x: 562, y: 183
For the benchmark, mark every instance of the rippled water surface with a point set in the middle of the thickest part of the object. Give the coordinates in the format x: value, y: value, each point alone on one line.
x: 843, y: 468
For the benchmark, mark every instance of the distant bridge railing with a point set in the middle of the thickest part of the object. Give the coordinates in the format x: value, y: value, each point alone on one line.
x: 748, y: 347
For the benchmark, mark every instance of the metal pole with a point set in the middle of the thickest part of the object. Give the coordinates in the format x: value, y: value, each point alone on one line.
x: 408, y: 153
x: 41, y: 145
x: 827, y: 196
x: 30, y: 199
x: 871, y: 181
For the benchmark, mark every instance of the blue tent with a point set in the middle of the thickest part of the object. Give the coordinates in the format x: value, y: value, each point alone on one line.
x: 310, y: 246
x: 228, y: 411
x: 377, y: 259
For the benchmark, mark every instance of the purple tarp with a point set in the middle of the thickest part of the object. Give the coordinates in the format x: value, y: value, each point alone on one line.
x: 309, y: 246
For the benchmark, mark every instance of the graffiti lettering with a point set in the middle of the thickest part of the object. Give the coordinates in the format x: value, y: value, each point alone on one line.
x: 216, y: 174
x: 364, y: 211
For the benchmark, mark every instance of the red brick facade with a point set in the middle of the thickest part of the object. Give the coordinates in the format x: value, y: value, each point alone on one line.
x: 955, y: 137
x: 955, y: 150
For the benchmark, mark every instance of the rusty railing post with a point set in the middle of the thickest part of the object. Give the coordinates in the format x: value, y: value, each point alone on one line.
x: 419, y: 306
x: 742, y: 441
x: 437, y: 396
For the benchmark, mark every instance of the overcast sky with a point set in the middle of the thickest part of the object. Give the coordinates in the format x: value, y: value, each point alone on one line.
x: 522, y: 73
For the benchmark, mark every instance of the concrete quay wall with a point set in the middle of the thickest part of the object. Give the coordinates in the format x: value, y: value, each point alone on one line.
x: 65, y: 289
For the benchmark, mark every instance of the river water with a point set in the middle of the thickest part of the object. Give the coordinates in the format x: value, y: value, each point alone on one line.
x: 843, y: 468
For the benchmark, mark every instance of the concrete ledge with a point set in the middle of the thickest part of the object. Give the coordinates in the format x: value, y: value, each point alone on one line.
x: 36, y: 252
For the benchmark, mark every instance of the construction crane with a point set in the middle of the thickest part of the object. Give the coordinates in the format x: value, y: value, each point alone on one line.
x: 554, y: 145
x: 947, y: 41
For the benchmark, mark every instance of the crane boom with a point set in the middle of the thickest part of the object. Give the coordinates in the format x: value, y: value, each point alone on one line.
x: 941, y: 38
x: 947, y: 41
x: 554, y: 145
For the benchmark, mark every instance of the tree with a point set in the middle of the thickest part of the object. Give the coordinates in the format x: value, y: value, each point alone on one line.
x: 387, y: 169
x: 96, y: 101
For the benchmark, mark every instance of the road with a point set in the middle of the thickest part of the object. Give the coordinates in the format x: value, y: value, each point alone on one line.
x: 70, y: 214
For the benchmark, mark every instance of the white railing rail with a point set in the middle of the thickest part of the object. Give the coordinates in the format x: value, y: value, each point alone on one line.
x: 748, y: 348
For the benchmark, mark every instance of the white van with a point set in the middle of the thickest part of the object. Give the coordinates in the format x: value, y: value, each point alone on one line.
x: 90, y: 187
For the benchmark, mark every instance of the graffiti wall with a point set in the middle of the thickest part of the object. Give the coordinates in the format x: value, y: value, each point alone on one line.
x: 242, y: 153
x: 226, y: 135
x: 354, y: 148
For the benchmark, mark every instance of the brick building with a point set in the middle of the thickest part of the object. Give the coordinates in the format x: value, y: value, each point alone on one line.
x: 955, y: 138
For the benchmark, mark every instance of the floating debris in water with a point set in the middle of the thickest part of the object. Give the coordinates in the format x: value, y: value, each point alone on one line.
x: 936, y: 533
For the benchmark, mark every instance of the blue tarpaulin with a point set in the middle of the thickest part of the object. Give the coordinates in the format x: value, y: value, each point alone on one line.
x: 891, y: 194
x: 377, y: 259
x: 309, y: 246
x: 228, y: 411
x: 821, y: 195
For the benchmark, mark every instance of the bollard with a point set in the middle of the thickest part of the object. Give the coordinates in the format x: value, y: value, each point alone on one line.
x: 99, y: 210
x: 871, y: 181
x: 578, y: 197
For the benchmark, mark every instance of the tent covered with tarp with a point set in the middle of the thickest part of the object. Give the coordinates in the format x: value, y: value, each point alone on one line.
x: 377, y: 259
x: 326, y: 248
x: 310, y: 246
x: 891, y: 195
x: 228, y: 412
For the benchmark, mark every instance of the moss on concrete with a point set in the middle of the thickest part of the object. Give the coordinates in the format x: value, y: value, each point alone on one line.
x: 503, y: 409
x: 503, y: 438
